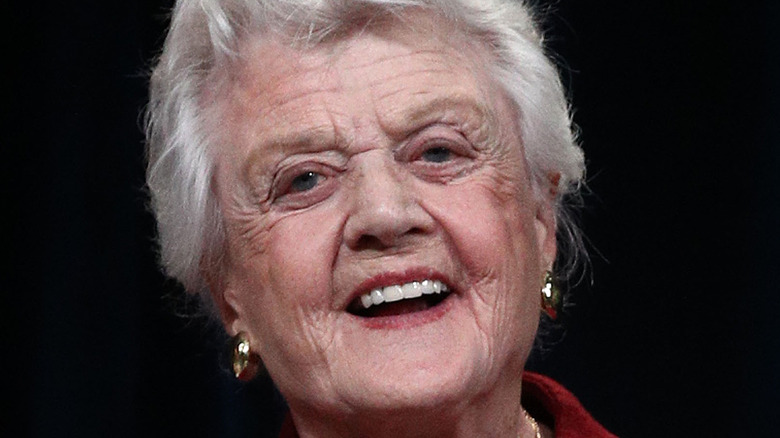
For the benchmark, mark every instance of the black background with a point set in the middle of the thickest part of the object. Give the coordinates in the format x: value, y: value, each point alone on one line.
x: 678, y: 104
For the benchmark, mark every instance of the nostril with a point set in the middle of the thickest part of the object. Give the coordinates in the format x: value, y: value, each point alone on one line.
x: 369, y: 242
x: 384, y: 241
x: 416, y: 230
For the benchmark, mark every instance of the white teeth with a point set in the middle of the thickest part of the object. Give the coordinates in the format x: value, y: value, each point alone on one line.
x: 426, y: 286
x: 366, y: 300
x: 376, y: 297
x: 412, y: 290
x: 394, y: 293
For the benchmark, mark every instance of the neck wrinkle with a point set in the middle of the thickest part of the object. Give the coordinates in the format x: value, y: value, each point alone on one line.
x: 497, y: 413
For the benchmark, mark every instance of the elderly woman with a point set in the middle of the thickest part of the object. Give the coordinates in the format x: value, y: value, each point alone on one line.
x: 368, y: 193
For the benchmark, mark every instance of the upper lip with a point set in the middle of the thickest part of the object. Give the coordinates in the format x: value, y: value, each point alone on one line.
x: 400, y: 277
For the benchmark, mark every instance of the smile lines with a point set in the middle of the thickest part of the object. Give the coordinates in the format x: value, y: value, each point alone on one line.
x: 390, y: 294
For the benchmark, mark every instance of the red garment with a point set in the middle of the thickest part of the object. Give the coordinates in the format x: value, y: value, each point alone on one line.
x: 547, y: 401
x: 550, y: 403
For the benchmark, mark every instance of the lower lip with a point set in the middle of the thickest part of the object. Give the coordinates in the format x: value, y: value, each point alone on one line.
x: 409, y: 320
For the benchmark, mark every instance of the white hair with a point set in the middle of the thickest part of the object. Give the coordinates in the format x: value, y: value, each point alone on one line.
x: 204, y: 38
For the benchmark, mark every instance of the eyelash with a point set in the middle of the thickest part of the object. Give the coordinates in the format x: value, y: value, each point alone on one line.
x: 457, y: 151
x: 304, y: 178
x: 438, y: 149
x: 284, y: 190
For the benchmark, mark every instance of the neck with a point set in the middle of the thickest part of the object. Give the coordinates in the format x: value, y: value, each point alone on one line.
x: 496, y: 413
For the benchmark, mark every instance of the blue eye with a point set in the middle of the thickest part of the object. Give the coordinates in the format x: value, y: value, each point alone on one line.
x: 305, y: 181
x: 437, y: 155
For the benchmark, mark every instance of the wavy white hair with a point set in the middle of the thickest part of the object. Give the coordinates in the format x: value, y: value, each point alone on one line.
x: 205, y: 38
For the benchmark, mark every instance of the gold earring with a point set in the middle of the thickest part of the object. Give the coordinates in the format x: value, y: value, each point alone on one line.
x: 245, y: 364
x: 551, y: 296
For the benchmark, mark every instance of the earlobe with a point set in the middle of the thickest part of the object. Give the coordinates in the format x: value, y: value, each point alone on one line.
x: 230, y: 312
x: 547, y: 223
x: 545, y: 234
x: 244, y: 361
x: 223, y: 298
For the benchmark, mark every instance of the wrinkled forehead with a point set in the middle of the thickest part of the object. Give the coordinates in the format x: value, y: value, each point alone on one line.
x: 270, y: 54
x: 273, y: 69
x: 415, y: 27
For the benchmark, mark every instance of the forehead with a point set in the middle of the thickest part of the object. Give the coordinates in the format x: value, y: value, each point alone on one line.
x: 395, y: 77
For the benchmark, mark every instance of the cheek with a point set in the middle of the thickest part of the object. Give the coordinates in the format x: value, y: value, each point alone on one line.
x: 493, y: 234
x: 492, y: 230
x: 286, y: 254
x: 301, y: 255
x: 286, y: 287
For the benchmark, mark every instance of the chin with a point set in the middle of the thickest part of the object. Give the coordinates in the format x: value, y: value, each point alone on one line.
x: 420, y: 390
x: 427, y: 360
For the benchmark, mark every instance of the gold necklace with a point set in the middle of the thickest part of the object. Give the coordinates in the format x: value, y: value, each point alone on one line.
x: 534, y: 424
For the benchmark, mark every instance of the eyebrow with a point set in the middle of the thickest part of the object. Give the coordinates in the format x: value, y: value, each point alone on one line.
x: 297, y: 142
x: 398, y: 125
x: 412, y: 119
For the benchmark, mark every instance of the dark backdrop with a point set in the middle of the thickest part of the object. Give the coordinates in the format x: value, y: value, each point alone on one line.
x: 677, y: 335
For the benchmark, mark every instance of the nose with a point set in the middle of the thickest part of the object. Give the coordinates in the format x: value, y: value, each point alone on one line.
x: 385, y: 210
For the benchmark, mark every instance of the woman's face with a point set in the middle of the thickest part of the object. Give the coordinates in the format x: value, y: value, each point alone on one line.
x: 375, y: 162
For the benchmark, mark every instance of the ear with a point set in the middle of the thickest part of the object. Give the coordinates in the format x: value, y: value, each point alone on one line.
x: 223, y: 296
x: 546, y: 222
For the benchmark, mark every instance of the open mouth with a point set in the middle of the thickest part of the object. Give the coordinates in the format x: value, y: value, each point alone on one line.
x: 416, y: 296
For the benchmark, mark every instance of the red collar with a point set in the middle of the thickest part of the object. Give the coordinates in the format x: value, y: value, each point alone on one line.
x: 547, y: 401
x: 550, y: 403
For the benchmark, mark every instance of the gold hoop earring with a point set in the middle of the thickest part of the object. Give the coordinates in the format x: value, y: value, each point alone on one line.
x: 551, y: 296
x: 245, y: 364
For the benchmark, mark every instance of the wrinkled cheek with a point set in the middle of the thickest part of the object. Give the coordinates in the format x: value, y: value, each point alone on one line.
x: 293, y: 331
x: 303, y: 339
x: 247, y: 241
x: 496, y: 308
x: 501, y: 267
x: 298, y: 290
